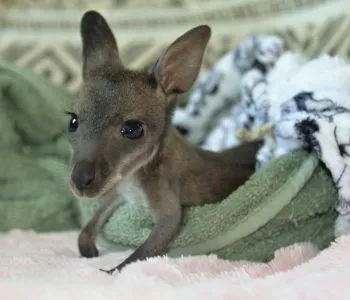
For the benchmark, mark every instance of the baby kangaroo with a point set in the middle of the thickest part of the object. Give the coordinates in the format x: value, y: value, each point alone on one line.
x: 125, y: 147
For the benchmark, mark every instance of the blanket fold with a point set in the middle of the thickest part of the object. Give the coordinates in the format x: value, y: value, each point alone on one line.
x: 281, y: 204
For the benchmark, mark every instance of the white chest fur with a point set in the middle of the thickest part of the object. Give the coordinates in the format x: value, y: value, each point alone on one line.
x: 130, y: 190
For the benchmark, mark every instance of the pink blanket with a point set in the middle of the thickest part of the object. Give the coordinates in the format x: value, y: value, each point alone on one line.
x: 47, y: 266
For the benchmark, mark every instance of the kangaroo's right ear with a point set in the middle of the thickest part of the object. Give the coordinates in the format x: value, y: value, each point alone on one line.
x: 177, y: 69
x: 99, y: 45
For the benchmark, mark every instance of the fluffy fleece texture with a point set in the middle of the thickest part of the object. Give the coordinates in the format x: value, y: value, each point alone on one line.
x: 298, y: 103
x: 47, y: 266
x: 220, y: 88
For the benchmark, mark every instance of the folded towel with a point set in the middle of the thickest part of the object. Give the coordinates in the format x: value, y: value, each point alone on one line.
x: 290, y: 200
x: 311, y: 108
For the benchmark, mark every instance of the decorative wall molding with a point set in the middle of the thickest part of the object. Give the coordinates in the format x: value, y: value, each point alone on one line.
x: 226, y: 17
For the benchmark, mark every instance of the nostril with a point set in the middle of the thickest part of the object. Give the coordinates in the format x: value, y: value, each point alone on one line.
x: 83, y: 175
x: 89, y: 181
x: 89, y: 178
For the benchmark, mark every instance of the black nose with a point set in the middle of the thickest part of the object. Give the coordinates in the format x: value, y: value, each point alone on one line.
x: 83, y: 174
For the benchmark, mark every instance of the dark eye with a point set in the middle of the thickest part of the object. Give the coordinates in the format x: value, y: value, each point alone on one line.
x: 73, y: 123
x: 132, y: 130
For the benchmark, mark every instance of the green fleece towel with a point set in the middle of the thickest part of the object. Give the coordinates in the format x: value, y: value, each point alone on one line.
x: 290, y: 200
x: 34, y: 153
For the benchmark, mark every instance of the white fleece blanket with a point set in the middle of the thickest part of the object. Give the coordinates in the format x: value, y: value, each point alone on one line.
x: 294, y: 102
x: 48, y: 266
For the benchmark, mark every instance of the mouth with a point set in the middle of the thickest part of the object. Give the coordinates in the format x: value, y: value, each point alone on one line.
x: 95, y: 189
x: 86, y: 193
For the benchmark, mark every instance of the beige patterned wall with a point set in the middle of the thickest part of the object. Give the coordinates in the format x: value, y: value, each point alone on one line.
x: 85, y: 4
x: 43, y: 35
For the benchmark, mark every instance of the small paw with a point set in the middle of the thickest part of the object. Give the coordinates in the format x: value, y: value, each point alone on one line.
x: 87, y: 246
x: 342, y: 225
x: 88, y: 251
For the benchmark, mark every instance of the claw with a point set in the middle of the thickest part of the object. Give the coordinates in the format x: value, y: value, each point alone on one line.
x: 109, y: 272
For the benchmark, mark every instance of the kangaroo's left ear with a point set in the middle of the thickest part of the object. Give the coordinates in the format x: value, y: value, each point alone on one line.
x: 99, y: 45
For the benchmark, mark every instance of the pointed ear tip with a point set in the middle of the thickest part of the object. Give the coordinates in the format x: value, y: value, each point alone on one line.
x: 205, y: 28
x: 90, y: 15
x: 89, y: 18
x: 205, y: 31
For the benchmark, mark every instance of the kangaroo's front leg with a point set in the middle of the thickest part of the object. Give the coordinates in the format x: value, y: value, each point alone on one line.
x: 87, y: 237
x: 166, y: 212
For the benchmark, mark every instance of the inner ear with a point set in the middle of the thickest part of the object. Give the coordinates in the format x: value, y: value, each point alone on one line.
x: 177, y: 70
x: 99, y: 45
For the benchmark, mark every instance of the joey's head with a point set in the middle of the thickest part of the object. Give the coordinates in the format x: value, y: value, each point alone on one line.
x: 122, y: 116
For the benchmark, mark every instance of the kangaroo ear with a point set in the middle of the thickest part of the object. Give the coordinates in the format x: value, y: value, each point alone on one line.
x: 177, y: 69
x: 99, y: 45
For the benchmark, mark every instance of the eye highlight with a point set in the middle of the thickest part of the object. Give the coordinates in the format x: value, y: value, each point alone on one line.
x: 73, y: 123
x: 132, y: 130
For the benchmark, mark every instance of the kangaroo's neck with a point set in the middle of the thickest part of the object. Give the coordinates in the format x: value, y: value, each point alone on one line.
x: 176, y: 153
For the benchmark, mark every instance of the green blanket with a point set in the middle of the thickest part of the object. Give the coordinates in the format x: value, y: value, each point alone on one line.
x: 34, y: 153
x: 290, y: 200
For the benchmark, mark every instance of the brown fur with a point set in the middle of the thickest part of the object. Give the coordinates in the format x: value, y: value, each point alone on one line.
x: 160, y: 165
